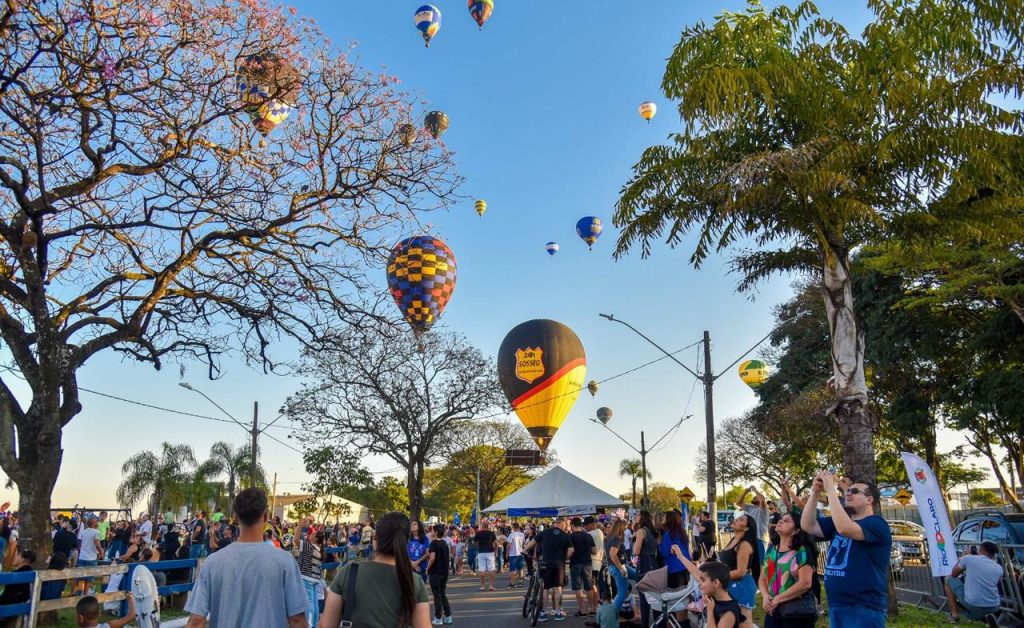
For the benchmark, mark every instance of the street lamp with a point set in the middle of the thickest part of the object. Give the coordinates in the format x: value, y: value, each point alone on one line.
x: 708, y: 379
x: 605, y: 414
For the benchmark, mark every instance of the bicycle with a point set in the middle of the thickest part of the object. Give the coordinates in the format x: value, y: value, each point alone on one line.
x: 529, y: 600
x: 535, y: 595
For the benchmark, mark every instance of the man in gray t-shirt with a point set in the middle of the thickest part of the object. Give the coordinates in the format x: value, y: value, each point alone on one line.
x: 758, y: 509
x: 249, y: 583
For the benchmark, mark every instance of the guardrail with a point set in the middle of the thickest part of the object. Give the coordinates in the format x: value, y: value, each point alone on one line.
x: 35, y: 579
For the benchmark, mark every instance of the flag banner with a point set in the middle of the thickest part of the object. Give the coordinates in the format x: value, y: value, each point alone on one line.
x: 561, y: 511
x: 933, y: 514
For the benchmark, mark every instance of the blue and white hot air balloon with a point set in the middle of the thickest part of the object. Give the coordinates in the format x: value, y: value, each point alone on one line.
x: 428, y: 21
x: 589, y: 229
x: 551, y: 248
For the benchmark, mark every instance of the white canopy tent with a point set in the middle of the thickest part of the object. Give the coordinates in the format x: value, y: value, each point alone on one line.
x: 556, y: 493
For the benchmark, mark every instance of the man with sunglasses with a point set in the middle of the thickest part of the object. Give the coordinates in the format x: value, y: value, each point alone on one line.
x: 856, y: 569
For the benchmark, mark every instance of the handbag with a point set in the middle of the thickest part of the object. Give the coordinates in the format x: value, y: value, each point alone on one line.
x: 349, y: 601
x: 802, y: 607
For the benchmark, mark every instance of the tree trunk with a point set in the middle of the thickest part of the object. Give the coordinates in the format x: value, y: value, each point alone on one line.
x: 634, y: 492
x: 856, y: 425
x: 36, y: 475
x: 415, y: 490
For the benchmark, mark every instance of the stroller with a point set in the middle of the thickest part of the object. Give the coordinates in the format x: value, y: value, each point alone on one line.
x: 668, y: 602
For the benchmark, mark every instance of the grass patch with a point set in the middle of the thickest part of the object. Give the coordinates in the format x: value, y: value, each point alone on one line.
x: 909, y: 617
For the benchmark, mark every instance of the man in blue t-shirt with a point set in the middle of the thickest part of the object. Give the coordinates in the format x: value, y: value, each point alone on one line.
x: 857, y: 564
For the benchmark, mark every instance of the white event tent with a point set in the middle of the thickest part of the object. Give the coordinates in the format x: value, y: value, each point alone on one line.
x: 556, y: 493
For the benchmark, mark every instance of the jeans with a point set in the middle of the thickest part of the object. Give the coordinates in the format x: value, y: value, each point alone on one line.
x: 197, y: 551
x: 439, y: 587
x: 855, y: 617
x: 313, y: 609
x: 116, y: 547
x: 621, y: 586
x: 471, y: 554
x: 499, y: 555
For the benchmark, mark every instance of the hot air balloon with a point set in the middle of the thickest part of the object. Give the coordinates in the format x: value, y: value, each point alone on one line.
x: 589, y: 229
x: 593, y: 387
x: 408, y: 133
x: 604, y: 415
x: 481, y: 11
x: 421, y: 278
x: 551, y: 248
x: 753, y: 373
x: 647, y: 110
x: 481, y: 207
x: 269, y: 86
x: 436, y: 123
x: 428, y: 20
x: 541, y: 366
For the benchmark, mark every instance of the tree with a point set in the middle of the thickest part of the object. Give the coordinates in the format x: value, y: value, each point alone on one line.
x: 379, y: 390
x: 632, y: 469
x: 143, y: 214
x: 235, y: 462
x: 334, y: 473
x: 662, y: 497
x: 164, y: 478
x: 984, y: 497
x: 799, y: 136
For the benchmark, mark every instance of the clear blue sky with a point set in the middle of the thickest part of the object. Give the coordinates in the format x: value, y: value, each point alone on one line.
x: 544, y: 124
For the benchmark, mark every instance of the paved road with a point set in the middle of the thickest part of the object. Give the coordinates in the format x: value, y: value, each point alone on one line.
x: 501, y: 608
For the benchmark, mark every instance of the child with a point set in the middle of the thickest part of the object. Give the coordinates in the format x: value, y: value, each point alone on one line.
x: 88, y: 614
x: 722, y: 610
x: 607, y: 614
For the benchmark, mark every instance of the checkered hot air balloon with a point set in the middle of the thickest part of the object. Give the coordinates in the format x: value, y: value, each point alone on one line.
x: 269, y: 87
x: 421, y: 278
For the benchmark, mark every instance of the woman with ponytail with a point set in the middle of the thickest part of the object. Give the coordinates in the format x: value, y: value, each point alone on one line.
x: 386, y: 592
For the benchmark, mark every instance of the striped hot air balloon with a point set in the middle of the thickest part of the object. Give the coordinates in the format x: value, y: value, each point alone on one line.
x: 481, y: 10
x: 481, y: 207
x: 541, y: 368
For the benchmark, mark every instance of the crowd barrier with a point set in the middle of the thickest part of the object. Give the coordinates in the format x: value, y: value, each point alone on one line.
x: 29, y: 611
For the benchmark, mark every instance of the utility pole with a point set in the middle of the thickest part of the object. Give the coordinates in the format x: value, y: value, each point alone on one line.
x: 643, y: 470
x: 273, y: 498
x: 255, y: 442
x: 709, y: 423
x: 479, y: 514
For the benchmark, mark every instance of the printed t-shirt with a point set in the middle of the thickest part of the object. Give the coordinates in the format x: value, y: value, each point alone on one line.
x: 856, y: 572
x: 378, y: 600
x: 581, y: 544
x: 781, y: 568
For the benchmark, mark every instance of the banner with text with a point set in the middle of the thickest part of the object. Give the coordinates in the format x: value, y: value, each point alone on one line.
x: 934, y: 516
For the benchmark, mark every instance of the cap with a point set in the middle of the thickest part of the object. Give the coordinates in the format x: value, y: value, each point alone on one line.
x: 588, y: 520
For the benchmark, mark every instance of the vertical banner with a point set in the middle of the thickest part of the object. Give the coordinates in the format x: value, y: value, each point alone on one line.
x: 686, y: 515
x: 457, y: 520
x: 472, y: 517
x: 934, y: 516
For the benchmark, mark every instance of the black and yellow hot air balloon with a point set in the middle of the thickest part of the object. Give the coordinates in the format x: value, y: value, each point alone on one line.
x: 541, y: 366
x: 481, y: 207
x: 436, y: 122
x: 753, y: 373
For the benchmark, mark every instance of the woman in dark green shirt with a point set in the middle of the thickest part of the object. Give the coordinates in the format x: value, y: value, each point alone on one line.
x: 386, y: 592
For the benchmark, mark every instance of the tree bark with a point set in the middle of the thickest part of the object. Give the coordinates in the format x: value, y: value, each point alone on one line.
x: 634, y: 492
x: 415, y: 489
x: 856, y: 425
x: 36, y: 476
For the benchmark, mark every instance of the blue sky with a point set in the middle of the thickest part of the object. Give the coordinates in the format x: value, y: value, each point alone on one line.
x: 544, y: 124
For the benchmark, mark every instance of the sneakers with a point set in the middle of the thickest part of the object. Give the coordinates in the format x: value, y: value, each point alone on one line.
x: 448, y: 619
x: 436, y: 622
x: 543, y: 616
x: 559, y: 616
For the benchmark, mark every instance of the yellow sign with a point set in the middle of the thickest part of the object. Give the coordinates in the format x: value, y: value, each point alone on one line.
x: 529, y: 364
x: 686, y: 494
x: 903, y: 496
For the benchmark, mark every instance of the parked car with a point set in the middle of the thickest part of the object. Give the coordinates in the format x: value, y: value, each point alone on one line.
x: 991, y: 525
x: 896, y: 561
x: 909, y: 536
x: 725, y: 519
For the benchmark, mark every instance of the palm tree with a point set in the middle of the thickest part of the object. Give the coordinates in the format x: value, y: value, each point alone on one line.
x: 165, y: 477
x: 235, y: 463
x: 634, y: 470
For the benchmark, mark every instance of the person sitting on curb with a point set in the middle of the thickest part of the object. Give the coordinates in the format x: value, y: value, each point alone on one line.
x: 977, y: 592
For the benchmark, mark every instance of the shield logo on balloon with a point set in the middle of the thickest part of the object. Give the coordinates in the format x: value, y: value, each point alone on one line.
x: 529, y: 364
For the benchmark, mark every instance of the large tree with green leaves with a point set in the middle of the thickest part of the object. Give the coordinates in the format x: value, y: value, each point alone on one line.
x: 800, y: 142
x: 633, y: 469
x: 163, y: 479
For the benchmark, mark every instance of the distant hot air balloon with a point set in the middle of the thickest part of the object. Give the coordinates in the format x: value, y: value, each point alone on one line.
x: 436, y: 123
x: 269, y: 87
x: 481, y: 11
x: 481, y: 207
x: 753, y: 373
x: 551, y: 248
x: 541, y: 366
x: 428, y: 20
x: 589, y: 229
x: 604, y: 415
x: 647, y: 110
x: 421, y: 278
x: 407, y: 132
x: 593, y: 387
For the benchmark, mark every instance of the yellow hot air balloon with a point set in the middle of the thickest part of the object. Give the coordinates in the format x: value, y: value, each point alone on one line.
x: 753, y: 373
x: 647, y: 110
x: 541, y: 366
x: 481, y: 207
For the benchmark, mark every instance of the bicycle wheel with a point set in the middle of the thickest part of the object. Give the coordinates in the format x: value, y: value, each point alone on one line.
x: 528, y: 597
x: 538, y: 592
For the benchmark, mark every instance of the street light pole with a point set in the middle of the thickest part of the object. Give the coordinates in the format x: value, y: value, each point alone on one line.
x: 643, y: 470
x: 643, y: 451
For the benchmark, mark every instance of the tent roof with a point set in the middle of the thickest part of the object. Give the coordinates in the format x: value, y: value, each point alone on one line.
x: 556, y: 488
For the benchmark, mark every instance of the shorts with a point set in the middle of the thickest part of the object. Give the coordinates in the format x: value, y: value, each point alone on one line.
x: 87, y: 563
x: 485, y: 561
x: 956, y: 585
x: 554, y: 576
x: 744, y: 591
x: 516, y: 563
x: 582, y: 577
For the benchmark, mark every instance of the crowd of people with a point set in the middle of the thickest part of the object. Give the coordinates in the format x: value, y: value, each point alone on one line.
x: 259, y: 571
